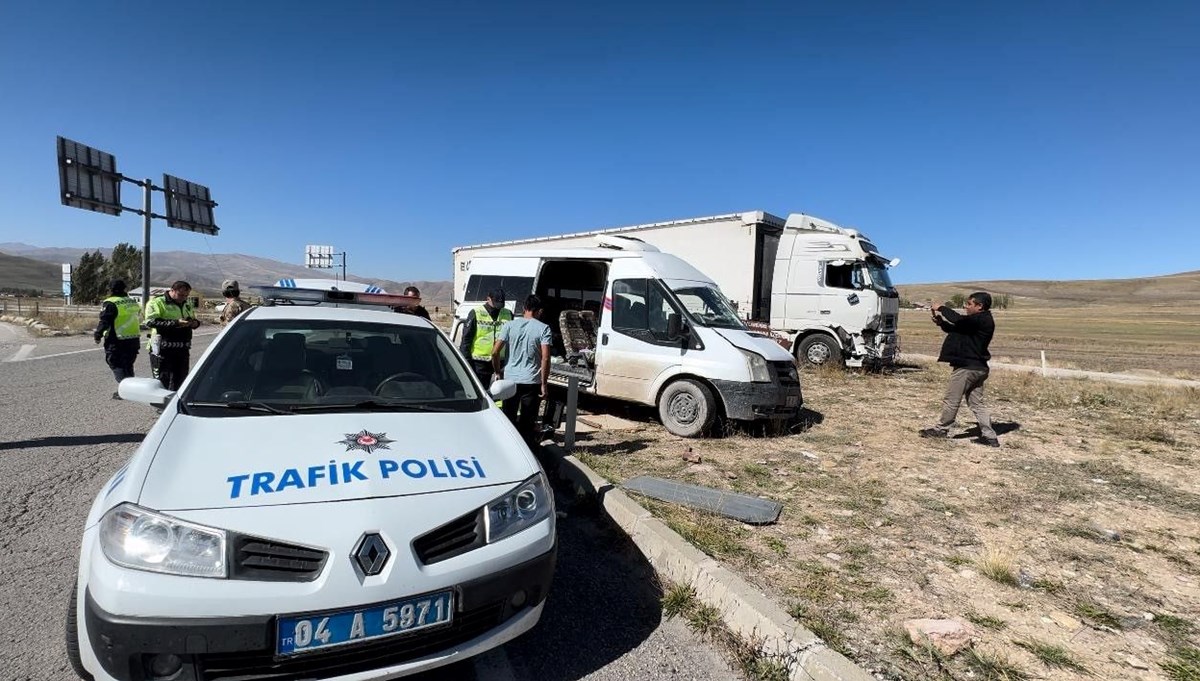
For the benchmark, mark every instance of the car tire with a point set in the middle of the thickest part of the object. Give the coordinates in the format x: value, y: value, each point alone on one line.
x: 72, y: 636
x: 687, y: 408
x: 818, y: 350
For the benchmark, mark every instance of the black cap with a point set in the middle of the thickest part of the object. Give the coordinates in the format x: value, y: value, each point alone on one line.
x: 497, y: 296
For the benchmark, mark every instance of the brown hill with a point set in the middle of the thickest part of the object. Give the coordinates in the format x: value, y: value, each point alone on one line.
x: 24, y: 274
x: 1168, y: 290
x: 206, y: 271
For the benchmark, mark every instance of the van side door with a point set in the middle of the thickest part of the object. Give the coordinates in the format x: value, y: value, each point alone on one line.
x: 634, y: 347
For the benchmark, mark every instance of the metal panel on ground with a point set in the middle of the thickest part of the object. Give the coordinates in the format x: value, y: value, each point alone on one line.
x: 743, y: 507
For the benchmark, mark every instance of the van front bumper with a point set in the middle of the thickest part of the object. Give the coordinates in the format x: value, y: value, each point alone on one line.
x: 782, y: 398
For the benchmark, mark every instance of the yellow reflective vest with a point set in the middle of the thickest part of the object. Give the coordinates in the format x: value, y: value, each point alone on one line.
x: 126, y: 323
x: 486, y: 331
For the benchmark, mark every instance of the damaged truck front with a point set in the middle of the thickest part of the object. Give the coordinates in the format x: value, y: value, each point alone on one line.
x: 832, y: 296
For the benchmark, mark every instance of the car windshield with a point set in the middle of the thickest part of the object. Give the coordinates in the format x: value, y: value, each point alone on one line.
x: 880, y: 279
x: 304, y: 366
x: 709, y: 307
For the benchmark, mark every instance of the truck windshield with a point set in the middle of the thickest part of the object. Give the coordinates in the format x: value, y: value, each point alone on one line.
x: 708, y: 307
x: 880, y: 279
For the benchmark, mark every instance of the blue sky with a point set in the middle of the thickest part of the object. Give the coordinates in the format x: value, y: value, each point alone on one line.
x: 973, y: 140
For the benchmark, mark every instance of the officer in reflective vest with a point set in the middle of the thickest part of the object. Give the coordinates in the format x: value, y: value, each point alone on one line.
x: 171, y: 320
x: 480, y: 331
x: 118, y: 329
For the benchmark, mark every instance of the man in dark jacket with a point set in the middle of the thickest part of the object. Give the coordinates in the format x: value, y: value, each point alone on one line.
x: 119, y: 329
x: 966, y: 351
x: 417, y: 309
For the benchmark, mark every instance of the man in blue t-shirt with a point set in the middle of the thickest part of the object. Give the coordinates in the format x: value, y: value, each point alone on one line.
x: 528, y: 343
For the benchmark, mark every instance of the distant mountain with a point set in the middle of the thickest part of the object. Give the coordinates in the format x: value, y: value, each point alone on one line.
x: 206, y: 271
x: 22, y: 273
x: 1170, y: 289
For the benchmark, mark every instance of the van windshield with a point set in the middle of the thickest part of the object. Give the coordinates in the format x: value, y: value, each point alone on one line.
x: 709, y: 307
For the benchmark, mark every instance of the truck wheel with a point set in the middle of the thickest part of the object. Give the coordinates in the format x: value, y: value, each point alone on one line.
x: 72, y: 636
x: 818, y: 350
x: 687, y: 408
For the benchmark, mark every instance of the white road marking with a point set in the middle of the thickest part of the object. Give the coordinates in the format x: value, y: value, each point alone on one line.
x: 494, y: 666
x: 22, y: 354
x: 5, y: 328
x: 57, y: 354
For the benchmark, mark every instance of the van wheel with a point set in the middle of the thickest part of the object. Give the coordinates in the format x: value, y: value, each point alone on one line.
x: 687, y: 408
x: 818, y: 350
x: 72, y: 636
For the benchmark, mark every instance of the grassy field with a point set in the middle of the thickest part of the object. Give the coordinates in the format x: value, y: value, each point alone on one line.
x: 1112, y: 338
x: 1074, y: 549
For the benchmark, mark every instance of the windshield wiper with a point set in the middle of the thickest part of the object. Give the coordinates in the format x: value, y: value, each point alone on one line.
x: 373, y: 405
x: 243, y: 406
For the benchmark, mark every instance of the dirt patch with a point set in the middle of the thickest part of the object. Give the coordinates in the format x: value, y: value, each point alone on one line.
x: 1074, y: 548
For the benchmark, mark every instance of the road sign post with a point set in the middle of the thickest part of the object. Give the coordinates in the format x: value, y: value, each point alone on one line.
x: 88, y: 179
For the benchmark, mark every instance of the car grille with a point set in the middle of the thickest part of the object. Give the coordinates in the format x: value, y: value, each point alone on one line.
x: 263, y: 666
x: 271, y: 561
x: 452, y: 539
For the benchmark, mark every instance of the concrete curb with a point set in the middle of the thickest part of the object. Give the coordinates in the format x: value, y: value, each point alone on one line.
x: 745, y: 610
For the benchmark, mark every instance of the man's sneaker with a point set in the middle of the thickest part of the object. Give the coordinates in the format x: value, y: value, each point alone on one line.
x: 934, y: 432
x: 987, y: 441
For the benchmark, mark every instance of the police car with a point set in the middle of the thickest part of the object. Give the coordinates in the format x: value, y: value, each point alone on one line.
x: 331, y: 494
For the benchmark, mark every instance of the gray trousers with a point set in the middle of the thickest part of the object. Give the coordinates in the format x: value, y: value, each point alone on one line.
x: 967, y: 383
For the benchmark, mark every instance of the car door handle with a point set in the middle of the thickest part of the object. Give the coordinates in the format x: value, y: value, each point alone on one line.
x: 604, y: 339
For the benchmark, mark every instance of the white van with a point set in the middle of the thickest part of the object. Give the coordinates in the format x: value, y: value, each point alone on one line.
x: 635, y: 324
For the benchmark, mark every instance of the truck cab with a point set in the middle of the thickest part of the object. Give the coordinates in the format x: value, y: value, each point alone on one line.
x: 632, y: 323
x: 832, y: 295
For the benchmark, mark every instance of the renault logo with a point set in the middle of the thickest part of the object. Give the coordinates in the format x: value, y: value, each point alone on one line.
x: 371, y: 554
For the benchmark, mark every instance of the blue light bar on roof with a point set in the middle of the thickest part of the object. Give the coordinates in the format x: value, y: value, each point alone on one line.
x: 312, y: 296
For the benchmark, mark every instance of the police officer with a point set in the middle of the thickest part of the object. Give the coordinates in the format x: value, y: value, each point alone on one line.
x: 118, y: 329
x: 480, y: 332
x: 171, y: 320
x: 234, y: 305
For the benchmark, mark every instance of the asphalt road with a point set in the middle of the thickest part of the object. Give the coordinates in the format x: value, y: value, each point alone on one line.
x: 62, y: 436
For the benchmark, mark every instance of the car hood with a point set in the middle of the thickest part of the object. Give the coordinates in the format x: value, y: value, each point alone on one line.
x: 755, y: 343
x: 203, y: 463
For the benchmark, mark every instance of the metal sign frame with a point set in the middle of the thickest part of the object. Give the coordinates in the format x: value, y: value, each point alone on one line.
x: 88, y: 178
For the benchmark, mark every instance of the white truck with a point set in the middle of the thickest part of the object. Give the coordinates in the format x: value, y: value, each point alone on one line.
x: 821, y: 290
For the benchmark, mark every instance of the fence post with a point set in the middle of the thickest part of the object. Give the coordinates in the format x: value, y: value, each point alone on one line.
x: 1043, y: 363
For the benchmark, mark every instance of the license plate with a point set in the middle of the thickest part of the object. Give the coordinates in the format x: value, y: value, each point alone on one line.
x: 316, y: 632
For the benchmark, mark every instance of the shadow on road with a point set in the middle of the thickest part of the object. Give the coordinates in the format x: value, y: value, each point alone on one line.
x: 74, y: 440
x: 605, y: 601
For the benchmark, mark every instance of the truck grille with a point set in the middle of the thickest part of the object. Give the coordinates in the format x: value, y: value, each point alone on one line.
x: 452, y: 539
x: 272, y: 561
x: 261, y: 666
x: 889, y: 322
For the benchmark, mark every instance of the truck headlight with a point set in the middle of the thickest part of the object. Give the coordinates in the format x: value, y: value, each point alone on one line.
x: 519, y: 509
x: 138, y: 538
x: 759, y: 372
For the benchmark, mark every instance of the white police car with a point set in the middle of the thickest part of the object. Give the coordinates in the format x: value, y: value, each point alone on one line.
x: 331, y: 494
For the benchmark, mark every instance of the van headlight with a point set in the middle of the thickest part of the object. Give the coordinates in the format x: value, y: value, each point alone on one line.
x: 519, y: 509
x: 759, y: 372
x: 138, y: 538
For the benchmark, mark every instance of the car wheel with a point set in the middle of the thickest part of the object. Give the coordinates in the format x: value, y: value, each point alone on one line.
x: 72, y: 636
x: 687, y: 408
x: 818, y: 350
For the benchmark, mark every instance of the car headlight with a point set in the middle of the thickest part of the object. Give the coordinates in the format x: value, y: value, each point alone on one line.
x: 520, y: 509
x: 138, y: 538
x: 759, y: 373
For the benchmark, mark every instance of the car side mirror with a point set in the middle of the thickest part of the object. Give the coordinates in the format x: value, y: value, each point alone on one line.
x: 503, y: 390
x: 674, y: 326
x: 145, y: 390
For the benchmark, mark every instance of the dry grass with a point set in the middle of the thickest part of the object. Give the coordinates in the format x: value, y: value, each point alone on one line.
x: 1086, y: 513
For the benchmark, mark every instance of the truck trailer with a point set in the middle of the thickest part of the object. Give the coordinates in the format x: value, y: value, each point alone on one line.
x: 821, y: 290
